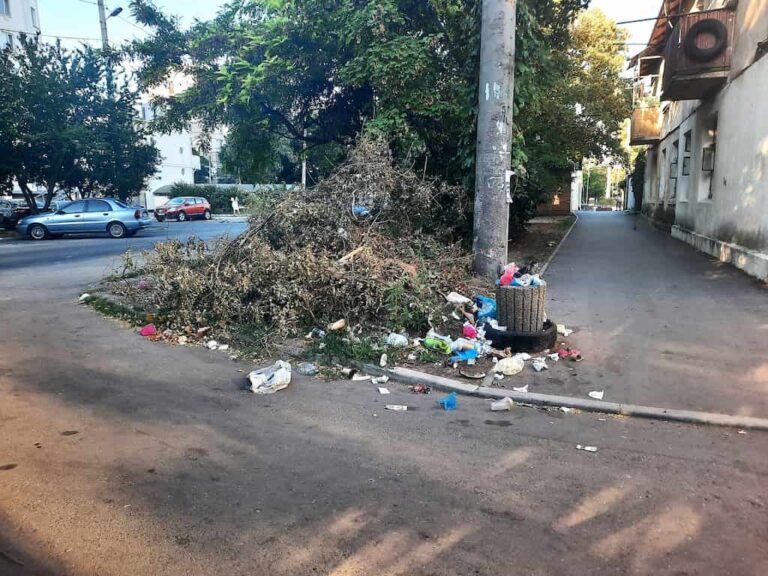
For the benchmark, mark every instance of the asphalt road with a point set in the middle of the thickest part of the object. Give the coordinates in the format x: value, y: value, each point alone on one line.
x: 119, y: 456
x: 658, y: 323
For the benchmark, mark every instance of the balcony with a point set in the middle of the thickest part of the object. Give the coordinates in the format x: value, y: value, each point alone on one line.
x: 697, y: 57
x: 645, y: 126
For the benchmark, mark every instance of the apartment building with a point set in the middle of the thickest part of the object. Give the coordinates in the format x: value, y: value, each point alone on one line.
x: 700, y: 109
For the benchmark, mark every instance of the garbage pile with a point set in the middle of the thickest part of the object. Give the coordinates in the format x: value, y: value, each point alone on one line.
x: 374, y: 244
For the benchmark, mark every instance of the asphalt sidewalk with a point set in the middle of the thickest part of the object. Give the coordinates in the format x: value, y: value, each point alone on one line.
x: 658, y: 323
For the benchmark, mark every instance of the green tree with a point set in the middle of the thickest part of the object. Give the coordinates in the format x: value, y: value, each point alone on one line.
x: 64, y: 132
x: 269, y: 69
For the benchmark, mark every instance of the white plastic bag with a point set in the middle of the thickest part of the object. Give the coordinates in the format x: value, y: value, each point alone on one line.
x: 271, y: 379
x: 509, y: 366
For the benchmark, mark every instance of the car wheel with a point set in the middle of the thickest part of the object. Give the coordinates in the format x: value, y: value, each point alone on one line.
x: 38, y: 232
x: 160, y: 218
x: 116, y: 230
x: 207, y: 215
x: 182, y: 216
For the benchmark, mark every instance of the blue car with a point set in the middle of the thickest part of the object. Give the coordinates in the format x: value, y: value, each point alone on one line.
x: 92, y: 216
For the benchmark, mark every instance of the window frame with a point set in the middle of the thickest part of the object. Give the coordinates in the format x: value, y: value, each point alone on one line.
x: 99, y: 201
x: 64, y: 209
x: 5, y: 8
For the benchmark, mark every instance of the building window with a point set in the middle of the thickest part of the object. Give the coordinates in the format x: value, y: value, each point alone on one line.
x: 33, y: 13
x: 181, y: 151
x: 708, y: 156
x: 687, y: 141
x: 6, y: 40
x: 5, y: 7
x: 183, y: 171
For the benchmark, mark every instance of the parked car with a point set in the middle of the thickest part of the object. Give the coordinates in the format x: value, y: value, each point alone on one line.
x: 184, y: 208
x: 95, y: 215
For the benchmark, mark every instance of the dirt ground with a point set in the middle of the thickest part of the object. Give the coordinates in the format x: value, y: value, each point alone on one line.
x: 540, y: 240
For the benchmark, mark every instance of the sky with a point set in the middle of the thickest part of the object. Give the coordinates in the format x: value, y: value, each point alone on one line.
x: 81, y: 18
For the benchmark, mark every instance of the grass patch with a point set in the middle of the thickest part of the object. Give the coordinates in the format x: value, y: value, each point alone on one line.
x: 108, y: 307
x: 339, y: 348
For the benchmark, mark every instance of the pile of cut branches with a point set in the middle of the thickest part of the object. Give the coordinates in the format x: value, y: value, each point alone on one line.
x: 373, y: 244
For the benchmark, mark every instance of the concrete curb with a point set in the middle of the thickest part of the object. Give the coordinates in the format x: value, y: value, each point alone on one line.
x: 554, y: 252
x: 412, y: 377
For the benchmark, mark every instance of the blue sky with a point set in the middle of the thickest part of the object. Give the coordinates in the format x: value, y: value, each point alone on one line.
x: 80, y: 17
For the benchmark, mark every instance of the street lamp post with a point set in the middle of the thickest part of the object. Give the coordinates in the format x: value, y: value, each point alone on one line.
x: 105, y: 40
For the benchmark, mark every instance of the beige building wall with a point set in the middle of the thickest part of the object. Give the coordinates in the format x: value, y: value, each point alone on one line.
x: 722, y: 212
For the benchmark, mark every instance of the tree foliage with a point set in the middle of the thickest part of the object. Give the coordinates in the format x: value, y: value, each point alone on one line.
x: 408, y: 69
x: 62, y: 131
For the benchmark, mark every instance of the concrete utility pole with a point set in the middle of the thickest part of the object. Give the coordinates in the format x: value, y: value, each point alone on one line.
x: 105, y: 41
x: 494, y: 122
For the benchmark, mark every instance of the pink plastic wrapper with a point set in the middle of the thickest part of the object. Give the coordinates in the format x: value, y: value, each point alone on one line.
x: 148, y: 330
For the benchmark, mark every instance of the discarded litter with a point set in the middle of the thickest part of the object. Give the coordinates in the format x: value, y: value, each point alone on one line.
x: 509, y: 274
x: 498, y: 376
x: 212, y: 345
x: 148, y: 330
x: 586, y: 448
x: 572, y: 353
x: 566, y: 409
x: 316, y: 333
x: 338, y: 325
x: 524, y: 356
x: 380, y: 380
x: 462, y: 344
x: 457, y: 299
x: 505, y: 403
x: 509, y: 366
x: 463, y: 356
x: 486, y: 308
x: 84, y: 297
x: 469, y: 331
x: 142, y: 285
x: 182, y: 340
x: 383, y: 360
x: 348, y: 372
x: 360, y: 377
x: 472, y: 375
x: 421, y: 389
x: 563, y: 331
x: 223, y: 347
x: 437, y: 345
x: 597, y: 394
x: 554, y: 356
x: 308, y: 369
x: 397, y: 340
x: 523, y: 389
x: 396, y: 407
x: 449, y: 402
x: 412, y: 356
x: 383, y: 390
x: 539, y: 364
x: 271, y: 379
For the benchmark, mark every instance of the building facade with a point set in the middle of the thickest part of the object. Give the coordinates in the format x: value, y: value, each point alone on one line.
x: 178, y: 162
x: 700, y: 96
x: 17, y: 17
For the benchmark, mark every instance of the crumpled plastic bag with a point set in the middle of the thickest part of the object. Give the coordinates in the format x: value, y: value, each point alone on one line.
x: 509, y: 366
x: 271, y: 379
x: 397, y: 340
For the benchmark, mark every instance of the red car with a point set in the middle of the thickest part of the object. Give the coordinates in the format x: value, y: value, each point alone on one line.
x: 184, y: 208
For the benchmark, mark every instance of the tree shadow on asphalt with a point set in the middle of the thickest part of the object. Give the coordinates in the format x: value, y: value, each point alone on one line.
x: 284, y: 485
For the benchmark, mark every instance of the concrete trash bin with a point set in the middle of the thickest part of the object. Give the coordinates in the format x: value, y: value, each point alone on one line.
x: 521, y: 308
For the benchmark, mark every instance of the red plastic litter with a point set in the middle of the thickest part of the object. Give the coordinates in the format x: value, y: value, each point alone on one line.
x: 148, y: 330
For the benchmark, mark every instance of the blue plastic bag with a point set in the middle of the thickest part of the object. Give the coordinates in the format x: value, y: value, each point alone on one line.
x: 449, y: 402
x: 463, y: 356
x: 486, y: 307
